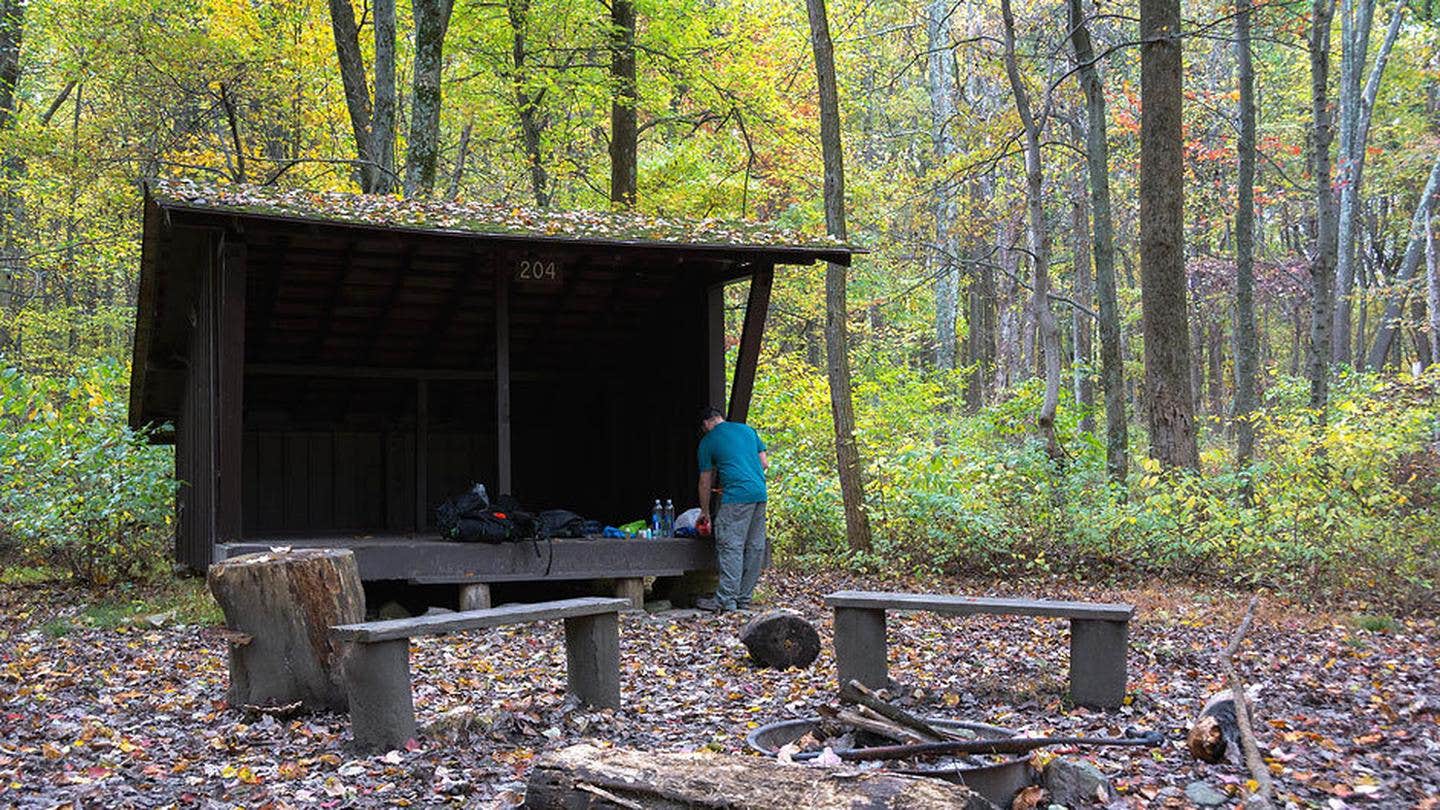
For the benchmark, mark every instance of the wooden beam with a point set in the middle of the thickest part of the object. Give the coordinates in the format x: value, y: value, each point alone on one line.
x: 422, y: 448
x: 715, y: 344
x: 230, y: 386
x: 502, y: 377
x: 755, y: 310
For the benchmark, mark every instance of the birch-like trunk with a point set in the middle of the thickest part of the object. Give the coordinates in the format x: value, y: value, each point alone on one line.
x: 941, y: 81
x: 837, y: 352
x: 1414, y: 247
x: 1432, y: 287
x: 432, y: 19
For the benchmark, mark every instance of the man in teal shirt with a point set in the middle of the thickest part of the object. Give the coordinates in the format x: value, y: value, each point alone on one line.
x: 734, y: 453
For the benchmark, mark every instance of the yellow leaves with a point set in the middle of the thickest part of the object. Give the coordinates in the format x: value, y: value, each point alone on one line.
x: 244, y: 774
x: 290, y: 770
x: 52, y: 753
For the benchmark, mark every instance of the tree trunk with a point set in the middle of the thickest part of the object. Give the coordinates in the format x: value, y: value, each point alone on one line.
x: 12, y: 33
x: 280, y: 606
x: 837, y: 353
x: 588, y: 776
x: 1322, y: 259
x: 1097, y: 161
x: 1432, y: 288
x: 432, y: 19
x: 1162, y: 248
x: 1245, y: 339
x: 1083, y: 361
x: 1356, y: 108
x: 527, y: 105
x: 357, y: 95
x: 1414, y: 247
x: 382, y: 131
x: 624, y: 135
x: 1038, y: 239
x: 941, y: 81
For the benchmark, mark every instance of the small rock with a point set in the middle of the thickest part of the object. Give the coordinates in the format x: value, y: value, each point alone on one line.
x: 453, y: 723
x: 1076, y: 783
x: 436, y: 610
x: 658, y: 606
x: 1204, y: 795
x: 392, y: 610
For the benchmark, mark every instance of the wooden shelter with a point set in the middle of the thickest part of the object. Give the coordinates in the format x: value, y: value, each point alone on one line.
x: 334, y: 366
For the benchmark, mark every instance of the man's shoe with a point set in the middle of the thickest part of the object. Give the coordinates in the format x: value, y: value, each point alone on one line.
x: 709, y: 603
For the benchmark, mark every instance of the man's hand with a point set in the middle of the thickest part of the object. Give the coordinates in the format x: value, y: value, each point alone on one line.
x: 707, y: 484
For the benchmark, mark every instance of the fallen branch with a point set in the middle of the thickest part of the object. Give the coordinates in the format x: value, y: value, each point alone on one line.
x: 882, y: 727
x: 857, y: 692
x: 1259, y: 771
x: 1000, y: 745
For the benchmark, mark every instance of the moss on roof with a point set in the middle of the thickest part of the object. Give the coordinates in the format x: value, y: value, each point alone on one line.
x: 468, y: 217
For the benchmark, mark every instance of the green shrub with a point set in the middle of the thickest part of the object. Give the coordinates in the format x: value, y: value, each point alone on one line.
x: 79, y: 489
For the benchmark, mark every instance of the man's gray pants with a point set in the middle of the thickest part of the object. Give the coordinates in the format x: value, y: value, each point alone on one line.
x: 740, y: 547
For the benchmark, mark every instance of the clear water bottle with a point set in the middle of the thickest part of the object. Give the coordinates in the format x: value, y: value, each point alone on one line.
x: 657, y: 519
x: 669, y: 518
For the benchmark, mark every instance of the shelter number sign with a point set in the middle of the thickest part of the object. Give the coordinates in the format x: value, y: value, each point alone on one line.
x: 537, y: 272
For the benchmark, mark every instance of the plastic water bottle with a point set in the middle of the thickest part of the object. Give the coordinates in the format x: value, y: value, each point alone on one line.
x: 657, y: 518
x: 669, y: 518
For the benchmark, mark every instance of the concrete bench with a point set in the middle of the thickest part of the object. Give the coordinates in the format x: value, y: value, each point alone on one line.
x: 377, y: 672
x: 1099, y: 636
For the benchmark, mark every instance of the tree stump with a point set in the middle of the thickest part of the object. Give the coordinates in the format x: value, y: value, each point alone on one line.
x: 279, y: 606
x: 781, y: 639
x: 587, y: 776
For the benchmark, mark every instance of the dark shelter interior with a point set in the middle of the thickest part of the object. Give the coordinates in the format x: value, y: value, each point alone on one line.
x: 331, y: 379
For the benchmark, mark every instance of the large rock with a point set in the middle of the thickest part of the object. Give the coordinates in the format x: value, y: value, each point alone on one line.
x: 1205, y: 795
x: 1077, y: 783
x: 781, y: 639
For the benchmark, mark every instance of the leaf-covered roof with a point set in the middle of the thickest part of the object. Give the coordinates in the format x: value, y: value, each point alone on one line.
x: 480, y: 218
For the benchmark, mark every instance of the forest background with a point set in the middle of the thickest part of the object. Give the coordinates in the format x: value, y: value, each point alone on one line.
x: 991, y: 435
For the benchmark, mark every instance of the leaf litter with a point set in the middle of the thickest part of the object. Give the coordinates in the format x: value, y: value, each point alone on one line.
x: 136, y: 715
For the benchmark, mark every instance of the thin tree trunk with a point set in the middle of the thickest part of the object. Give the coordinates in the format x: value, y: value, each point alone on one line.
x: 12, y: 34
x: 1356, y: 109
x: 1097, y: 160
x: 432, y: 18
x: 1414, y: 246
x: 1432, y: 288
x: 1083, y: 361
x: 1322, y: 259
x: 352, y: 77
x: 941, y: 81
x: 837, y: 356
x: 382, y: 131
x: 1038, y: 239
x: 464, y: 153
x: 1245, y: 341
x: 1164, y: 317
x: 624, y: 134
x: 528, y: 105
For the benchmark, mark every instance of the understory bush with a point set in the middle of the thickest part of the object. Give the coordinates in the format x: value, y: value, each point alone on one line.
x: 1339, y: 510
x: 79, y: 489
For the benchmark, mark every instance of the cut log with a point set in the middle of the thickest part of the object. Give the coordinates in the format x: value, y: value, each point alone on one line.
x: 781, y: 639
x: 587, y: 776
x: 286, y: 601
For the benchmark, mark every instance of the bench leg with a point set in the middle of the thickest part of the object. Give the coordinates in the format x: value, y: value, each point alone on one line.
x: 860, y: 647
x: 382, y: 710
x: 592, y: 658
x: 475, y: 596
x: 1097, y: 662
x: 632, y: 588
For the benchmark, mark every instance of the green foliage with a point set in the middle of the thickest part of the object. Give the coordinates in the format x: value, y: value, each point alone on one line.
x: 1337, y: 510
x: 79, y: 489
x: 1375, y: 623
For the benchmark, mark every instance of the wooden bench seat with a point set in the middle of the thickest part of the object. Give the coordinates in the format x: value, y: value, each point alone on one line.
x: 377, y: 671
x: 1099, y: 636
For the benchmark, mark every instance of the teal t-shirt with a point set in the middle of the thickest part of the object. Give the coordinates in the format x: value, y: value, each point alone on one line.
x: 733, y: 449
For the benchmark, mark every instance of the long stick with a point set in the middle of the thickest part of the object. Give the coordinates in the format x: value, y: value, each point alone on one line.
x: 1002, y: 745
x: 860, y: 693
x: 1253, y: 760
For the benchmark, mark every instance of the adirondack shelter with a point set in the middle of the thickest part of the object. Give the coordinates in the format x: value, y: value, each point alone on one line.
x: 333, y: 366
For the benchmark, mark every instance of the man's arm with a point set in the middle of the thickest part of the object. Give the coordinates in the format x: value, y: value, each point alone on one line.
x: 707, y: 483
x: 764, y: 460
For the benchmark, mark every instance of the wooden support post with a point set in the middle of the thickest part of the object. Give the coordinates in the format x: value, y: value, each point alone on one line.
x: 592, y: 659
x: 422, y: 453
x: 474, y: 596
x: 756, y: 307
x: 860, y: 647
x: 632, y: 588
x: 382, y: 710
x: 1097, y: 662
x: 715, y: 343
x: 230, y: 388
x: 202, y: 412
x: 502, y: 378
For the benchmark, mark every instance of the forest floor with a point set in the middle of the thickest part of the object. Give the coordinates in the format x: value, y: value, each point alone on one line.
x: 124, y: 713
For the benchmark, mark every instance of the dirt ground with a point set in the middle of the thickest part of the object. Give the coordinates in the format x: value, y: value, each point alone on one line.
x: 136, y: 715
